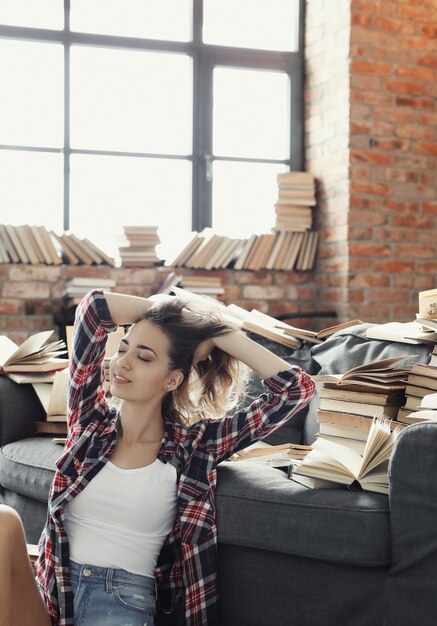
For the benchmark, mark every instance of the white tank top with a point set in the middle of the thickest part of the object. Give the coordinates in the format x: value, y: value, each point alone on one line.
x: 122, y: 517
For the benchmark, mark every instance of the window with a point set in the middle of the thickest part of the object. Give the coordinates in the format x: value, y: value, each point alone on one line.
x: 170, y: 112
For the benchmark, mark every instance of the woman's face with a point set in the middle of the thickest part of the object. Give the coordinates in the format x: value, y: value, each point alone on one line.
x: 140, y: 370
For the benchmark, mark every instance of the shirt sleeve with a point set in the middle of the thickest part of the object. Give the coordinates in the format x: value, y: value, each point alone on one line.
x: 286, y: 393
x: 86, y: 392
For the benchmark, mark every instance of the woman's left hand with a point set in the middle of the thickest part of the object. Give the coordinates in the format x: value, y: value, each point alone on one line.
x: 203, y: 350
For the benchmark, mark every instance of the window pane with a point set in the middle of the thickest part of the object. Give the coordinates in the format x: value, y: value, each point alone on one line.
x: 129, y: 100
x: 251, y: 114
x: 31, y: 105
x: 152, y: 19
x: 243, y: 195
x: 31, y: 188
x: 264, y: 24
x: 108, y: 192
x: 32, y: 13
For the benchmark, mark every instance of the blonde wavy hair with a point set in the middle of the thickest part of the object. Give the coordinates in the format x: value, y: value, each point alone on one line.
x: 212, y: 387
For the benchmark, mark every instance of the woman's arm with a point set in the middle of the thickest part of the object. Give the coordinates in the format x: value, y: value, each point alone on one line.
x: 126, y: 309
x: 261, y: 360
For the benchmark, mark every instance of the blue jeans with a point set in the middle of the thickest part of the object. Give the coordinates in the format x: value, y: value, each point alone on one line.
x: 111, y: 597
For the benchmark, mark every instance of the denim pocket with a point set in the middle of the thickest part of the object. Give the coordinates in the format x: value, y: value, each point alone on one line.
x: 135, y: 597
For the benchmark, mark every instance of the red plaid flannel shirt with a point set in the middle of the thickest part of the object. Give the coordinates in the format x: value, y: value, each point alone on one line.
x: 186, y: 569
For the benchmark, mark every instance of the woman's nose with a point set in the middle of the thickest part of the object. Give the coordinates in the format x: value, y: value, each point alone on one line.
x: 124, y: 360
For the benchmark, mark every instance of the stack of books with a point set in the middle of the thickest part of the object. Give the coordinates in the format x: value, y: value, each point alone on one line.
x: 421, y: 381
x: 36, y: 245
x: 78, y: 287
x: 349, y: 402
x: 208, y: 285
x: 296, y: 196
x: 138, y: 246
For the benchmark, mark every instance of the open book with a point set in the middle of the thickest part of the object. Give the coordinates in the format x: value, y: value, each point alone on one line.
x: 274, y: 455
x: 382, y: 374
x: 34, y: 354
x: 318, y: 336
x: 340, y: 464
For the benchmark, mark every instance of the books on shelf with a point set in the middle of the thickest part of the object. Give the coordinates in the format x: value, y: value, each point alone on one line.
x: 285, y: 250
x: 137, y: 246
x: 33, y: 355
x: 340, y: 464
x: 35, y: 245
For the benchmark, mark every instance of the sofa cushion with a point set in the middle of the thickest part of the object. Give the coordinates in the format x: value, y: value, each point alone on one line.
x: 258, y: 506
x: 27, y: 466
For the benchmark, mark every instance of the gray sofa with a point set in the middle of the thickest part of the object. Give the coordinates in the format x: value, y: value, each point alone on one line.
x: 288, y: 555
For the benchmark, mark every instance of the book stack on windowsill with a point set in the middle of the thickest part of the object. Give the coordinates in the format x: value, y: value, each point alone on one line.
x: 137, y: 246
x: 296, y: 196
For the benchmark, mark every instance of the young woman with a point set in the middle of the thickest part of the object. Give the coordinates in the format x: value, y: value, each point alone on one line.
x: 130, y: 536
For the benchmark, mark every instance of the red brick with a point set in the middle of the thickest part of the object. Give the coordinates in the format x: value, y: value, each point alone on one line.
x: 11, y: 306
x: 394, y: 266
x: 392, y: 144
x: 289, y: 278
x: 134, y: 290
x: 430, y: 148
x: 430, y: 30
x: 357, y: 264
x: 31, y: 324
x: 414, y: 252
x: 430, y: 207
x: 413, y: 221
x: 279, y: 307
x: 247, y: 304
x: 427, y: 267
x: 369, y: 280
x: 405, y: 71
x: 392, y: 25
x: 404, y: 313
x: 396, y: 235
x: 356, y: 202
x: 412, y: 12
x: 232, y: 292
x: 99, y: 271
x: 369, y: 249
x: 388, y: 295
x: 371, y: 188
x: 415, y: 103
x: 428, y: 60
x: 377, y: 158
x: 369, y: 218
x: 25, y: 289
x: 34, y: 272
x: 396, y: 205
x: 263, y: 292
x: 404, y: 87
x: 263, y: 277
x: 360, y: 233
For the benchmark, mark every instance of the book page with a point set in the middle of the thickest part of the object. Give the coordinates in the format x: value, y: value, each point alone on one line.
x: 7, y: 349
x: 379, y: 445
x: 343, y: 455
x: 320, y: 465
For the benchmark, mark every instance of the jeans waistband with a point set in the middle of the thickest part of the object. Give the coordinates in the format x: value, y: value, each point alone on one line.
x: 93, y: 573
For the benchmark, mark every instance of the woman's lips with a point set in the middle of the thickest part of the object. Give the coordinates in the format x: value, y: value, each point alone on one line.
x: 120, y: 380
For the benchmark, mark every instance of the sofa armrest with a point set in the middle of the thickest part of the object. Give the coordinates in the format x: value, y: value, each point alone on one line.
x: 19, y: 410
x: 413, y: 521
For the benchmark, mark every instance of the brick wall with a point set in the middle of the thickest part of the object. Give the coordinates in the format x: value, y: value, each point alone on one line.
x: 379, y: 221
x: 31, y: 294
